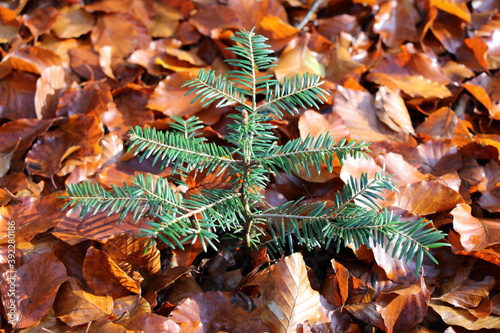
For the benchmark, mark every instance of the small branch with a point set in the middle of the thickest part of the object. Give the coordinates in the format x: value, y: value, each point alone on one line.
x: 309, y: 14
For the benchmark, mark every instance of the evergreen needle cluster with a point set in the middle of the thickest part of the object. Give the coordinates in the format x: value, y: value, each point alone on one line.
x: 251, y: 156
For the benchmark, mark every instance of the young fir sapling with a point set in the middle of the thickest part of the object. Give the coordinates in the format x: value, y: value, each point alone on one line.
x: 251, y: 156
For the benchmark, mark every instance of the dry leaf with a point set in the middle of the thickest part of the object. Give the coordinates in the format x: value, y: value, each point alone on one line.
x: 288, y: 299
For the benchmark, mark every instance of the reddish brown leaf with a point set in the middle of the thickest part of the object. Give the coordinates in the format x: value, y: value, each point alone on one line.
x: 104, y: 276
x: 150, y: 323
x: 218, y: 311
x: 120, y: 31
x: 490, y: 188
x: 396, y: 22
x: 403, y: 308
x: 75, y: 306
x: 37, y: 283
x: 171, y: 99
x: 17, y: 96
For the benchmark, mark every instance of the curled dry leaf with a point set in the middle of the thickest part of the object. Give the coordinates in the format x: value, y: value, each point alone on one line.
x: 288, y: 299
x: 463, y: 318
x: 475, y: 233
x: 75, y: 306
x: 105, y: 277
x: 392, y: 111
x: 405, y: 307
x: 48, y: 88
x: 490, y: 188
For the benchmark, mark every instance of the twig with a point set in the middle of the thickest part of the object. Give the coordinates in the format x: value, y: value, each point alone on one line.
x: 310, y: 13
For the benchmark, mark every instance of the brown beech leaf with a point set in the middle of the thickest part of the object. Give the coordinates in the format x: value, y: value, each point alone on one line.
x: 75, y: 306
x: 449, y: 29
x: 463, y: 292
x: 72, y: 229
x: 170, y: 99
x: 90, y: 98
x: 368, y: 313
x: 475, y: 233
x: 463, y: 318
x: 440, y: 124
x: 130, y: 102
x: 278, y: 31
x: 357, y: 110
x: 105, y: 277
x: 76, y: 140
x: 427, y: 197
x: 85, y: 62
x: 37, y: 283
x: 34, y: 215
x: 18, y: 135
x: 392, y: 111
x: 403, y: 172
x: 72, y: 22
x: 17, y: 96
x: 473, y: 54
x: 288, y: 299
x: 298, y: 59
x: 439, y: 157
x: 479, y: 94
x: 220, y: 311
x: 487, y: 33
x: 405, y: 307
x: 162, y: 280
x: 133, y: 255
x: 165, y: 20
x: 418, y: 86
x: 396, y: 22
x: 490, y: 188
x: 118, y: 30
x: 31, y: 59
x: 314, y: 123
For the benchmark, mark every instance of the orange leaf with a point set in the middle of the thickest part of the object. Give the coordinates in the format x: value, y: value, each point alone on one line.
x: 427, y: 197
x: 105, y: 277
x: 475, y: 233
x: 288, y: 299
x: 403, y: 308
x: 75, y: 306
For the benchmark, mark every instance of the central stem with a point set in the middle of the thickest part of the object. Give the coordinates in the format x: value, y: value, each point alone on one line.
x: 245, y: 186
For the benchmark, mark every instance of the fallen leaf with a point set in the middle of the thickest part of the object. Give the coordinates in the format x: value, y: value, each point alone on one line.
x: 475, y: 233
x: 220, y: 311
x: 288, y: 299
x: 48, y: 88
x: 490, y: 188
x: 403, y: 308
x: 392, y: 111
x: 463, y: 318
x: 427, y: 197
x: 396, y: 22
x: 105, y: 277
x: 75, y: 306
x: 72, y: 22
x: 17, y: 96
x: 37, y: 283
